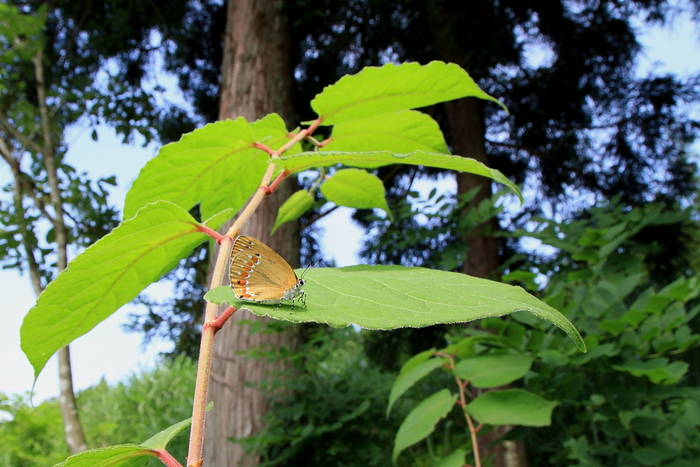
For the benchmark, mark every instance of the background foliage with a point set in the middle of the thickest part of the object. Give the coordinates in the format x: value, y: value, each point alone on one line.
x: 131, y: 411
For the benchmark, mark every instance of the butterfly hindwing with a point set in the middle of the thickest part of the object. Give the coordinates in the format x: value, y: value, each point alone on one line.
x: 259, y: 274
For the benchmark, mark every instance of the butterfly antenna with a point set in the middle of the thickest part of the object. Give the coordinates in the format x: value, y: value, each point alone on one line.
x: 309, y: 267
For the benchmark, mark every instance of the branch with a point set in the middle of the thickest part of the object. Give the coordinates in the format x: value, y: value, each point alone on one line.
x: 24, y: 180
x: 50, y: 162
x: 16, y: 134
x: 317, y: 217
x: 32, y: 265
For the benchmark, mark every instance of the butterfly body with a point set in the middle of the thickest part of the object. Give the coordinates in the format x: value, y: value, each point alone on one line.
x: 258, y: 274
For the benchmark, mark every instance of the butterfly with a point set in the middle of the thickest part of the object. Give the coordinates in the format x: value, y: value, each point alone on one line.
x: 259, y: 274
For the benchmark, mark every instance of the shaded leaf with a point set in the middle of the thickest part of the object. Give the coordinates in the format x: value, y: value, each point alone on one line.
x: 355, y: 188
x: 422, y: 420
x: 456, y: 459
x: 406, y: 379
x: 512, y: 407
x: 292, y: 209
x: 490, y: 371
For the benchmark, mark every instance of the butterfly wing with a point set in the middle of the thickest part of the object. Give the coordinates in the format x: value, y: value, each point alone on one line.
x: 258, y: 273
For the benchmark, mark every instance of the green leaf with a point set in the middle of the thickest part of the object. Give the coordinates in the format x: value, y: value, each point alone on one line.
x: 490, y: 371
x: 456, y: 459
x: 368, y: 160
x: 512, y: 407
x: 106, y: 276
x: 405, y: 380
x: 422, y: 420
x: 219, y: 219
x: 355, y: 188
x: 124, y: 455
x: 213, y: 164
x: 293, y: 208
x: 401, y: 132
x: 385, y: 89
x: 220, y: 295
x: 390, y: 297
x: 656, y: 452
x: 658, y: 370
x: 161, y: 439
x: 416, y: 360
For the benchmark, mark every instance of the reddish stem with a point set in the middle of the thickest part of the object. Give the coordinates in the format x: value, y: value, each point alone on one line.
x: 263, y: 147
x: 275, y: 183
x: 212, y: 233
x: 166, y: 458
x: 219, y: 322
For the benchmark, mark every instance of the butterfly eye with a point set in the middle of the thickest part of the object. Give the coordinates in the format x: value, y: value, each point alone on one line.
x: 302, y: 282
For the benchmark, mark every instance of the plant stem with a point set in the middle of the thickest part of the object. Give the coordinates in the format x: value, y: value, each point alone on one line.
x: 472, y: 431
x: 194, y: 454
x: 166, y: 458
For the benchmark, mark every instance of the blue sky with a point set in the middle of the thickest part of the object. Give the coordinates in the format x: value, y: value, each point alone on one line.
x: 107, y: 352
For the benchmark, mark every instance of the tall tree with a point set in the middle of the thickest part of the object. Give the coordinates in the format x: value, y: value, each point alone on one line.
x: 51, y: 54
x: 256, y: 79
x: 28, y: 137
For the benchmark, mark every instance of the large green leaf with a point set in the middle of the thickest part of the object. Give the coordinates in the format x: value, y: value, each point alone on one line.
x: 512, y: 407
x: 422, y: 420
x: 390, y: 297
x: 490, y: 371
x: 355, y: 188
x: 270, y: 131
x: 385, y: 89
x: 368, y: 160
x: 400, y: 132
x: 215, y: 162
x: 106, y: 276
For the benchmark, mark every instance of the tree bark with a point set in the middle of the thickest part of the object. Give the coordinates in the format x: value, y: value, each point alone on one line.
x: 256, y: 80
x: 467, y: 129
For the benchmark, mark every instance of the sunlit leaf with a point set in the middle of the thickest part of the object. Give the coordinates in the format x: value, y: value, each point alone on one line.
x: 385, y: 89
x: 390, y: 297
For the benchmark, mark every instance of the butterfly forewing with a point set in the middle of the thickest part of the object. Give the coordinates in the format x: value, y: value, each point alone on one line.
x: 259, y: 274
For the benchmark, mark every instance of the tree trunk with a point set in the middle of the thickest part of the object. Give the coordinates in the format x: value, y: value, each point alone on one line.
x: 75, y: 438
x: 69, y: 409
x: 256, y: 80
x: 467, y: 130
